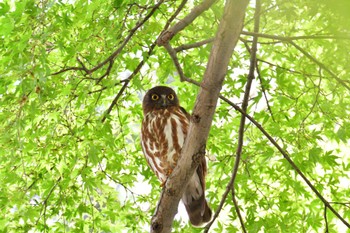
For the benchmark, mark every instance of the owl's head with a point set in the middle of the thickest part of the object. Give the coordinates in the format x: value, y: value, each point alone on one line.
x: 159, y: 97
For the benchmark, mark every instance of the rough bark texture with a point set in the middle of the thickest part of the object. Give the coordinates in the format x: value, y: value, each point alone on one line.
x: 227, y: 36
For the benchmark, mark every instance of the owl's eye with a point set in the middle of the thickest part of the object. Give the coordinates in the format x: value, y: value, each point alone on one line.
x: 154, y: 97
x: 171, y: 97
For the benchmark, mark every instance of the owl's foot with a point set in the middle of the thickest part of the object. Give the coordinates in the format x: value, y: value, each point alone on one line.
x: 167, y: 173
x: 163, y: 183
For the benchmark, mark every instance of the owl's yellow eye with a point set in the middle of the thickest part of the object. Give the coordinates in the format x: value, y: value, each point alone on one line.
x: 171, y: 97
x: 154, y: 97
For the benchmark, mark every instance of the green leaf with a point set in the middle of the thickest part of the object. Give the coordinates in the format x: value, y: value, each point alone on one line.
x: 7, y: 26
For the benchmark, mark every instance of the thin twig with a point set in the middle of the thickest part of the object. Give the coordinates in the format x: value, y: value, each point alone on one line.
x: 264, y: 91
x: 325, y: 218
x: 279, y: 38
x: 127, y: 39
x: 237, y: 210
x: 286, y: 69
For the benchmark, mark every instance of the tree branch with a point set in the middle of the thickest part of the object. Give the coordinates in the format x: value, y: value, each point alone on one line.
x: 237, y: 209
x: 194, y: 147
x: 325, y: 219
x: 166, y: 36
x: 194, y: 45
x: 176, y: 62
x: 262, y: 35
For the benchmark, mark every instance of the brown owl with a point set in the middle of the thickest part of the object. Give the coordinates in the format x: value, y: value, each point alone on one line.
x: 164, y: 130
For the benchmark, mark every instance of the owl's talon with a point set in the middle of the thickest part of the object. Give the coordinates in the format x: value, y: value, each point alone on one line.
x: 169, y: 171
x: 163, y: 184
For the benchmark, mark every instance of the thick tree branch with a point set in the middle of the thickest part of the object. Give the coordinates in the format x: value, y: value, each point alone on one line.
x: 227, y: 36
x: 167, y: 35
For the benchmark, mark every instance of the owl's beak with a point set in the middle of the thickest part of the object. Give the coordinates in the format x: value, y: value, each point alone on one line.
x: 164, y: 101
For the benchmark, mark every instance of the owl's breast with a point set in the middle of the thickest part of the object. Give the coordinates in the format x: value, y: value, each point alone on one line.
x: 166, y: 132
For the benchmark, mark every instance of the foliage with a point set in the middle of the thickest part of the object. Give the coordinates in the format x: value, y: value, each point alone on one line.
x: 72, y: 77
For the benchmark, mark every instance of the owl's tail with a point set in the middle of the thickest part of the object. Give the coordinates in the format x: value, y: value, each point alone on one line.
x: 194, y: 200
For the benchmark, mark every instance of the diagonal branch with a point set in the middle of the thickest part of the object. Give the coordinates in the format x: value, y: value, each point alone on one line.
x: 128, y: 38
x: 320, y: 64
x: 233, y: 193
x: 194, y: 147
x: 167, y: 35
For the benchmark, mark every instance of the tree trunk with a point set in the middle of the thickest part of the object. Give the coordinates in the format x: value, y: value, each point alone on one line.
x: 226, y: 38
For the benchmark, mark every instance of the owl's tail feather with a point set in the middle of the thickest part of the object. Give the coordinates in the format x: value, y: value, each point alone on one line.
x: 198, y: 211
x: 194, y: 200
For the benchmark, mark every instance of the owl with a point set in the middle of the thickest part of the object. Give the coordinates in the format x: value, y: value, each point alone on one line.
x: 164, y: 129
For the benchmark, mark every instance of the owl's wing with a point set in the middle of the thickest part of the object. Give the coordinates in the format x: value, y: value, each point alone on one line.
x: 185, y: 112
x: 151, y: 150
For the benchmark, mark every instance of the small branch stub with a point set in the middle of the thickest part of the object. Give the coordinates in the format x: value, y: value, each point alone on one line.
x: 196, y: 118
x: 164, y: 38
x: 156, y: 225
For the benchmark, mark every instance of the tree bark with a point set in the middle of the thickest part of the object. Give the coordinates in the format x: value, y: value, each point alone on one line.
x: 194, y: 147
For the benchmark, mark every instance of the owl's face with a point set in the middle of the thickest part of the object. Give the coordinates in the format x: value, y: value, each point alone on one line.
x: 160, y: 97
